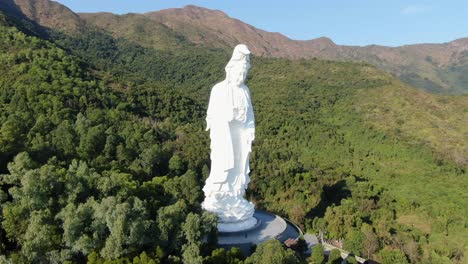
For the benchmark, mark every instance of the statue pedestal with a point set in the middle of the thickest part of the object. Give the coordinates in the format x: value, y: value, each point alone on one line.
x: 245, y: 225
x: 234, y: 213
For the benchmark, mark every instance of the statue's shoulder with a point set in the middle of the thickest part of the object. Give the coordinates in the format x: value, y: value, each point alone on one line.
x: 218, y: 87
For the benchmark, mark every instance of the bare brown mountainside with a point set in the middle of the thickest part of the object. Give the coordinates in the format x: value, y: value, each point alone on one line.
x: 440, y: 68
x: 47, y: 13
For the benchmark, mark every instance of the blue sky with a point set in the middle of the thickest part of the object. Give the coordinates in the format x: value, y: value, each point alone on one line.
x: 348, y: 22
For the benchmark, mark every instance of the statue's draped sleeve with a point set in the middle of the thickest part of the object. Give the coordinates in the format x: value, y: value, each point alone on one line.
x: 218, y: 116
x: 250, y: 113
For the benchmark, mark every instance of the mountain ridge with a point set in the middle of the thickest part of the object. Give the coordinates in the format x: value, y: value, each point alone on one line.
x: 28, y: 7
x: 435, y: 67
x: 46, y: 13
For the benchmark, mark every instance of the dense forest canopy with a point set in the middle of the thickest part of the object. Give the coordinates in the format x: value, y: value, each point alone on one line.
x: 103, y: 154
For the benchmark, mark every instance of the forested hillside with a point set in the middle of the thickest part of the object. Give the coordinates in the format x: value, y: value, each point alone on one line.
x: 103, y: 154
x: 95, y: 169
x: 353, y: 178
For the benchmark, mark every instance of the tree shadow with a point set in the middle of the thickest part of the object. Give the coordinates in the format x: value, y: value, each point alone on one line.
x: 332, y: 194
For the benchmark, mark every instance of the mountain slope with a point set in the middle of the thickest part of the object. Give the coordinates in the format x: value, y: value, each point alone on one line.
x: 138, y: 29
x: 421, y: 117
x: 46, y: 13
x: 79, y: 157
x: 346, y: 123
x: 439, y: 68
x: 428, y: 66
x: 214, y: 28
x: 433, y: 67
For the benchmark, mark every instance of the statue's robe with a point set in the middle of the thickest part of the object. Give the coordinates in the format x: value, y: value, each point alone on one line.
x: 231, y: 127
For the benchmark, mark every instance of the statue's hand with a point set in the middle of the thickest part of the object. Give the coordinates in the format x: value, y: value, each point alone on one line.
x: 251, y: 136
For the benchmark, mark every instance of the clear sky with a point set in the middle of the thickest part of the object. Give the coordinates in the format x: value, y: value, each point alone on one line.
x: 347, y: 22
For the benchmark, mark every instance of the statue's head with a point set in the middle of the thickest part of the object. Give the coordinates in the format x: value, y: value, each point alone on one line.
x: 240, y: 52
x: 238, y: 65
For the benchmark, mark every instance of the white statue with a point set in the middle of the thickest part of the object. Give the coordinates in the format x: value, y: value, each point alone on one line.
x: 230, y: 120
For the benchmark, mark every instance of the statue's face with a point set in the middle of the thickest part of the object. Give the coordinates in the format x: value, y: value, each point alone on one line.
x: 239, y: 71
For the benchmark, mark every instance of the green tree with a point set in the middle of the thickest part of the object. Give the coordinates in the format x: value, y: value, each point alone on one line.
x: 143, y: 258
x: 391, y: 256
x: 150, y: 161
x: 41, y: 237
x: 127, y: 223
x: 209, y: 228
x: 92, y: 142
x: 353, y: 241
x: 272, y: 252
x: 78, y: 235
x: 318, y: 255
x: 64, y: 138
x: 351, y: 260
x: 10, y: 135
x: 192, y: 231
x: 21, y: 164
x: 221, y: 256
x: 94, y: 258
x: 176, y: 165
x: 185, y: 187
x: 170, y: 219
x: 334, y: 257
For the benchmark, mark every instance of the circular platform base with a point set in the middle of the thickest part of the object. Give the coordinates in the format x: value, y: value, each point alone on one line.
x: 269, y: 226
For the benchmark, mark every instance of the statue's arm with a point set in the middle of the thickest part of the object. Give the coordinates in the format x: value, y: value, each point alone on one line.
x: 250, y: 121
x: 208, y: 125
x: 210, y: 110
x: 208, y: 116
